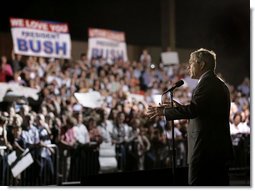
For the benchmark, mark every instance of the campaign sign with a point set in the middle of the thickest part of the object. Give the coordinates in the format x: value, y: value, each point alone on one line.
x: 107, y: 44
x: 40, y: 38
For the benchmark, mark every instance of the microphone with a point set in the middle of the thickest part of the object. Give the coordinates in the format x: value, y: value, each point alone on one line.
x: 176, y: 85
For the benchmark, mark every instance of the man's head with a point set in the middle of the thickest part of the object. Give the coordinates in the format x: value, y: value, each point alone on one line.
x: 201, y: 61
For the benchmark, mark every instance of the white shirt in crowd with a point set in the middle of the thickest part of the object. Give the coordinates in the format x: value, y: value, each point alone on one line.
x: 81, y: 134
x: 240, y: 128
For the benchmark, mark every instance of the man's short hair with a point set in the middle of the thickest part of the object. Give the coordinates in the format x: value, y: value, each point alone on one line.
x: 206, y: 56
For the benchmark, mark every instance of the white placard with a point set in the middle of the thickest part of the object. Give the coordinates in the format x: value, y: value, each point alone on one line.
x: 157, y: 99
x: 16, y: 91
x: 11, y: 157
x: 169, y: 58
x: 91, y: 99
x: 136, y: 97
x: 25, y: 161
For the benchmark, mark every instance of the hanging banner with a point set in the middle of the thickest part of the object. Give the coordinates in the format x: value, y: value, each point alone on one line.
x: 107, y: 44
x: 40, y: 38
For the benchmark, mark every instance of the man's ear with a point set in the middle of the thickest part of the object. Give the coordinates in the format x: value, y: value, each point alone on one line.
x: 202, y: 65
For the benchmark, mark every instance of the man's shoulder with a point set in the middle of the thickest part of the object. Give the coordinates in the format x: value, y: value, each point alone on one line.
x: 211, y: 80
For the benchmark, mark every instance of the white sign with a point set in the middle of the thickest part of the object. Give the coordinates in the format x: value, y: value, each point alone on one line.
x: 25, y: 161
x: 135, y: 98
x: 107, y: 44
x: 11, y: 157
x: 16, y: 91
x: 157, y: 99
x: 91, y: 99
x: 169, y: 58
x: 40, y: 38
x: 107, y: 157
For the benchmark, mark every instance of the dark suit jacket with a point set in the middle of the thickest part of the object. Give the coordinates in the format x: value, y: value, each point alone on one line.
x: 209, y: 138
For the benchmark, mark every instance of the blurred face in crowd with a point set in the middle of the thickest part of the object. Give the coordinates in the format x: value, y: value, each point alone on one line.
x: 31, y: 119
x: 17, y: 131
x: 24, y: 110
x: 121, y: 117
x: 3, y: 59
x: 44, y: 110
x: 12, y: 111
x: 79, y: 117
x: 18, y: 56
x: 92, y: 123
x: 40, y: 119
x: 237, y: 119
x: 17, y: 120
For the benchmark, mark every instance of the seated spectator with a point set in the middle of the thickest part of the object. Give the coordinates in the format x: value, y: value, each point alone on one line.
x: 240, y: 139
x: 245, y: 87
x: 237, y: 126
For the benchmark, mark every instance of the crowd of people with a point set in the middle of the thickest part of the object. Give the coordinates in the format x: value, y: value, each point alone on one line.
x: 80, y: 133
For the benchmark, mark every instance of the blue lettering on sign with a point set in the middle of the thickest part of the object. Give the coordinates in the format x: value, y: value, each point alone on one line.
x: 107, y: 54
x: 22, y: 45
x: 60, y: 47
x: 47, y: 47
x: 97, y: 53
x: 35, y: 46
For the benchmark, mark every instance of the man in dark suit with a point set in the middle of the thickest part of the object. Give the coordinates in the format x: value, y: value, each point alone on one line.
x: 209, y: 141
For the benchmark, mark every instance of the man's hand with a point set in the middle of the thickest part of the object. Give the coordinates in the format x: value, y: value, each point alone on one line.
x: 169, y: 104
x: 154, y: 111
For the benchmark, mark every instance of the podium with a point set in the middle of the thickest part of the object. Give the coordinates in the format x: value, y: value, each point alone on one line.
x: 155, y: 177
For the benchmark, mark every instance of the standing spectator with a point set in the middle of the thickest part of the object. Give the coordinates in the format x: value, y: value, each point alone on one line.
x: 179, y: 142
x: 145, y: 58
x: 3, y: 133
x: 30, y: 135
x: 6, y: 72
x: 93, y: 152
x: 46, y: 171
x: 84, y: 58
x: 16, y: 62
x: 104, y: 126
x: 120, y: 136
x: 67, y: 145
x: 17, y: 142
x: 82, y: 141
x: 145, y: 79
x: 140, y: 144
x: 107, y: 150
x: 3, y: 142
x: 42, y: 65
x: 80, y: 130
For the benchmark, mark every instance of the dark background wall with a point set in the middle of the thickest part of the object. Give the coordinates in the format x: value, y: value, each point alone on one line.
x: 139, y: 19
x: 221, y: 25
